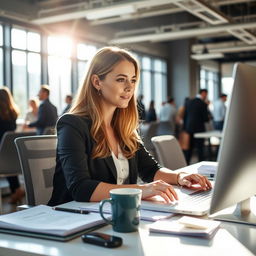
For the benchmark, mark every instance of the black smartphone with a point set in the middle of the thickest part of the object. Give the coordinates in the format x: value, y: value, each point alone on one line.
x: 102, y: 239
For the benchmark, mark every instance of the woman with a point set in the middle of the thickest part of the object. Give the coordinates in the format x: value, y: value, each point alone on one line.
x: 31, y: 115
x: 98, y: 145
x: 8, y: 115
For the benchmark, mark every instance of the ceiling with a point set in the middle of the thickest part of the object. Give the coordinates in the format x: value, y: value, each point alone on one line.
x: 224, y: 30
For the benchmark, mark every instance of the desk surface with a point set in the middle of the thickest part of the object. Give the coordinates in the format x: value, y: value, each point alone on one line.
x: 208, y: 134
x: 229, y: 238
x: 137, y: 244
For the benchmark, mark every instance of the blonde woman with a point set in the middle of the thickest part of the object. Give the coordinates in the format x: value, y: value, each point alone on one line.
x: 98, y: 145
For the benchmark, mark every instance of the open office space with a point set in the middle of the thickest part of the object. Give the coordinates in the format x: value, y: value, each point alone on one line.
x: 181, y: 46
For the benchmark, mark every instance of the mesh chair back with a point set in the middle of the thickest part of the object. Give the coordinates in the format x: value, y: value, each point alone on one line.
x: 9, y: 160
x: 169, y: 153
x: 149, y: 131
x: 37, y: 155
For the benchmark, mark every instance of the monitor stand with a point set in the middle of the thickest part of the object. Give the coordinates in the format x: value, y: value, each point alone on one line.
x: 242, y: 214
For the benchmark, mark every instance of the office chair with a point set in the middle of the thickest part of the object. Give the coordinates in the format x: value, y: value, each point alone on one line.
x: 169, y: 153
x: 49, y: 130
x: 165, y: 128
x: 147, y: 132
x: 9, y: 160
x: 37, y: 159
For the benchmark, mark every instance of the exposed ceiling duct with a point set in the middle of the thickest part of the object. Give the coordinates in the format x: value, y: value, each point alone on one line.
x: 180, y: 34
x: 203, y: 11
x: 102, y: 10
x: 212, y: 16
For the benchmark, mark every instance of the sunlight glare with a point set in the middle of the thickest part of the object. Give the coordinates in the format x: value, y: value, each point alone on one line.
x: 60, y: 46
x: 33, y: 42
x: 85, y: 52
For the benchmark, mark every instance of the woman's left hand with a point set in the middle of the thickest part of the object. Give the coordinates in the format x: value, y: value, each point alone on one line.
x: 194, y: 181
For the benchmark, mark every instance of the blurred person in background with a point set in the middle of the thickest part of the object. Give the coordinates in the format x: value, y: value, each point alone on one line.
x: 47, y: 112
x: 151, y: 113
x: 196, y: 115
x: 31, y: 115
x: 9, y: 112
x: 167, y: 118
x: 184, y: 138
x: 68, y: 101
x: 219, y: 112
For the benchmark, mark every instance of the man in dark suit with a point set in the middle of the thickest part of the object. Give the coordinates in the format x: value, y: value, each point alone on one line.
x: 68, y: 100
x: 47, y: 112
x: 196, y: 114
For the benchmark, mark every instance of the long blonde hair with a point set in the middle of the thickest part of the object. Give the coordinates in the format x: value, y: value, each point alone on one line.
x: 8, y: 109
x: 88, y: 103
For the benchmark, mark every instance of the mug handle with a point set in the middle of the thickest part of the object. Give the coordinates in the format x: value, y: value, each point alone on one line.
x: 110, y: 200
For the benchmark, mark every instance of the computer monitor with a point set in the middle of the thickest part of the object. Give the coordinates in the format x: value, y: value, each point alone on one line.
x: 235, y: 181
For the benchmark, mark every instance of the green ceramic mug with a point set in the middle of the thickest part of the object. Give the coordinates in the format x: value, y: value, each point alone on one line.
x: 125, y: 208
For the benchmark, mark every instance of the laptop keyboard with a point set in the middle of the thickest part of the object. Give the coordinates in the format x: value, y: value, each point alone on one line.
x: 196, y: 198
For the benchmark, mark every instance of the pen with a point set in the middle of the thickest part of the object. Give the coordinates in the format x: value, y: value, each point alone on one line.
x: 70, y: 210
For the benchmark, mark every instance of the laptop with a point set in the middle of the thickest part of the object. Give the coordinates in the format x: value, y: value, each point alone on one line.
x: 190, y: 202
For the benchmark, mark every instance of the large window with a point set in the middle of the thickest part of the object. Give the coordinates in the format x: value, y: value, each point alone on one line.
x: 61, y: 62
x: 153, y: 81
x: 209, y: 80
x: 59, y: 69
x: 26, y: 66
x: 227, y: 79
x: 84, y: 53
x: 1, y: 57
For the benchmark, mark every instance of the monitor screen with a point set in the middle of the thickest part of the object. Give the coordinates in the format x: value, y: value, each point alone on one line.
x: 236, y: 174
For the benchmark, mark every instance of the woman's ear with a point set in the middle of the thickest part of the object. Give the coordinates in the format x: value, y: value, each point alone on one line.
x: 95, y: 82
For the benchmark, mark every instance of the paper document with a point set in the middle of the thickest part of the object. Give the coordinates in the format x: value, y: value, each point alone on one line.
x: 43, y: 219
x: 208, y: 170
x: 94, y: 207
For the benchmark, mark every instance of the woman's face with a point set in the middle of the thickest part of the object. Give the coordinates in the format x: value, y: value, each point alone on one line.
x: 32, y: 104
x: 118, y: 86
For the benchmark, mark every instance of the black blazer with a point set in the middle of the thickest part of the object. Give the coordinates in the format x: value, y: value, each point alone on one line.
x: 7, y: 125
x: 47, y: 116
x: 77, y: 174
x: 196, y: 114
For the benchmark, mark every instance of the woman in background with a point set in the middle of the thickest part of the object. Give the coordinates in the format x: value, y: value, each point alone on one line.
x: 8, y: 116
x: 98, y: 145
x: 31, y: 115
x: 151, y: 113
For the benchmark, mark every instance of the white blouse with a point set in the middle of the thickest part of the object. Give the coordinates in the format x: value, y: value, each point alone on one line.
x: 122, y: 166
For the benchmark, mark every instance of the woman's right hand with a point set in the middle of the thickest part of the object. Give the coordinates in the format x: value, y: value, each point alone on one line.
x: 160, y: 188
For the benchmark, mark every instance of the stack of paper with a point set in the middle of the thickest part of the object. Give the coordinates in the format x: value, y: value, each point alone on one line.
x: 187, y: 226
x: 208, y: 170
x: 44, y: 222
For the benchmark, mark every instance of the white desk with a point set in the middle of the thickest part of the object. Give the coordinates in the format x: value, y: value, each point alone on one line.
x: 213, y: 138
x: 233, y: 238
x: 208, y: 134
x: 137, y: 244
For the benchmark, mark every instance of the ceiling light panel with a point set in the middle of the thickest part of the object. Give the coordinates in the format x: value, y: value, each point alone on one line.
x: 112, y: 11
x: 207, y: 56
x: 243, y: 35
x: 202, y: 11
